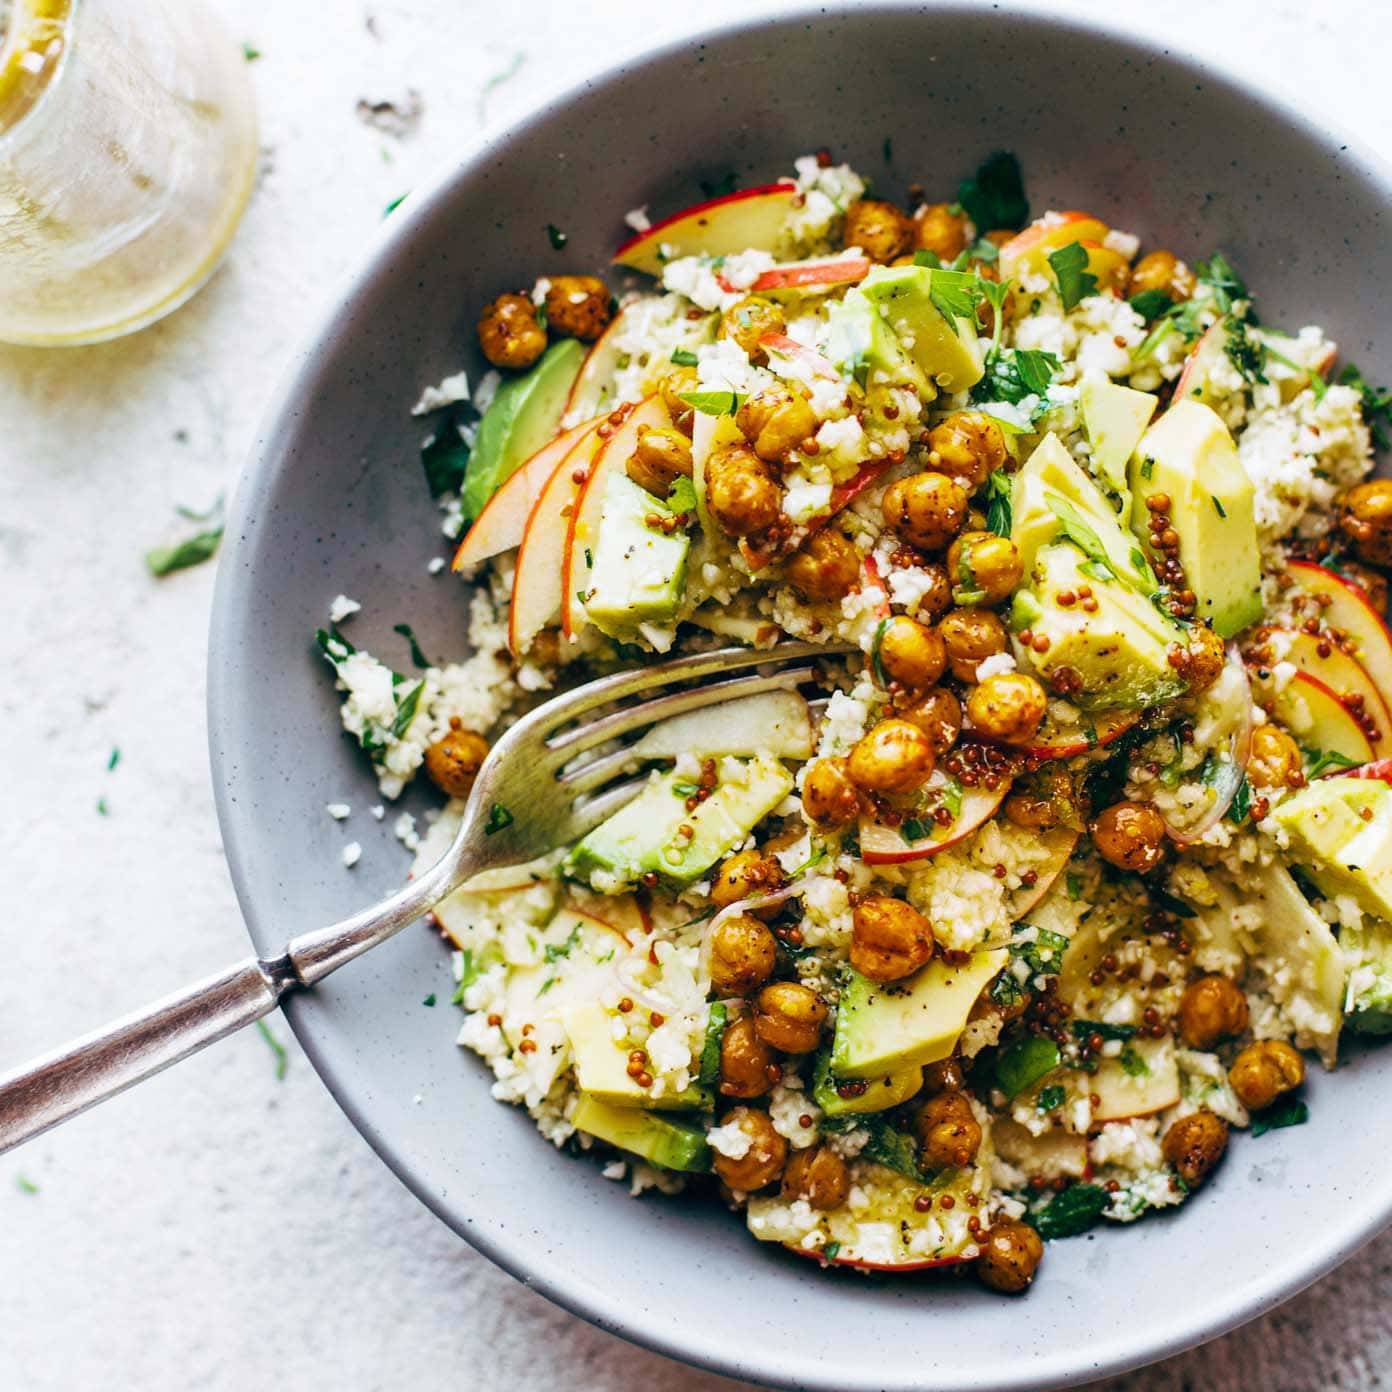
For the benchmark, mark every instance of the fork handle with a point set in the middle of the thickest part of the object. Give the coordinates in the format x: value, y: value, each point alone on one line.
x: 59, y: 1085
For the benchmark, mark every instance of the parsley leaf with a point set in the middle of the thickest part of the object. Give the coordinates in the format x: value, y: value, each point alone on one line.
x: 1318, y: 761
x: 1217, y: 273
x: 715, y: 403
x: 1025, y: 1062
x: 1015, y: 373
x: 956, y: 294
x: 999, y: 517
x: 1151, y: 304
x: 1071, y: 1213
x: 684, y: 357
x: 994, y: 197
x: 1133, y: 1064
x: 1085, y: 1029
x: 553, y: 952
x: 1377, y: 405
x: 444, y: 457
x: 1241, y: 805
x: 557, y: 238
x: 498, y: 818
x: 1075, y: 282
x: 192, y: 551
x: 1051, y: 1098
x: 406, y: 710
x: 832, y: 1249
x: 417, y: 656
x: 1246, y: 353
x: 1291, y: 1112
x: 429, y: 1000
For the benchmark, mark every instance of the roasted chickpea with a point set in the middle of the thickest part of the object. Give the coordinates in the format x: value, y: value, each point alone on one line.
x: 1373, y: 584
x: 879, y: 229
x: 819, y: 1175
x: 911, y: 653
x: 968, y: 445
x: 1194, y: 1145
x: 660, y: 456
x: 983, y: 567
x: 748, y: 320
x: 944, y: 1076
x: 454, y: 760
x: 509, y: 333
x: 938, y: 713
x: 788, y: 1016
x: 971, y: 635
x: 940, y: 230
x: 937, y: 596
x: 1131, y: 836
x: 828, y: 795
x: 1010, y: 1256
x: 745, y: 875
x: 578, y: 306
x: 949, y: 1134
x: 742, y: 954
x: 747, y: 1065
x: 1263, y: 1071
x: 825, y: 568
x: 1009, y: 706
x: 890, y: 939
x: 1111, y: 269
x: 672, y: 387
x: 1211, y: 1010
x: 775, y: 422
x: 1162, y: 270
x: 894, y: 756
x: 741, y: 493
x: 926, y: 509
x: 1031, y: 811
x: 763, y: 1162
x: 1204, y: 658
x: 1275, y: 760
x: 1366, y: 519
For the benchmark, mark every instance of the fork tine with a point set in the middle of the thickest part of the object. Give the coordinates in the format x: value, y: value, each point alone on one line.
x: 590, y: 812
x: 600, y: 770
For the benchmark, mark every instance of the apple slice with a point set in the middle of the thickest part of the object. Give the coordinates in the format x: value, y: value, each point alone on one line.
x: 536, y: 586
x: 749, y: 219
x: 1029, y: 250
x: 1059, y: 843
x: 874, y: 581
x: 1206, y: 354
x: 1121, y: 1094
x: 1318, y: 657
x: 776, y: 723
x: 796, y: 360
x: 1320, y: 720
x: 596, y: 373
x: 500, y: 525
x: 1344, y: 605
x: 1379, y: 770
x: 824, y: 273
x: 1054, y: 740
x: 885, y: 845
x: 583, y: 529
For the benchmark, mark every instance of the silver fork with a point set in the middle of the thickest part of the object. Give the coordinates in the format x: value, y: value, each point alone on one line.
x: 531, y: 796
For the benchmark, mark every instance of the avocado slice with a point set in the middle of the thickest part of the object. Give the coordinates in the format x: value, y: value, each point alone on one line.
x: 857, y: 1096
x: 523, y: 416
x: 655, y: 1138
x: 883, y: 1029
x: 1189, y: 455
x: 601, y: 1066
x: 1369, y: 1001
x: 1052, y: 497
x: 1341, y: 829
x: 1119, y: 650
x: 1115, y: 418
x: 862, y: 345
x: 913, y: 299
x: 646, y: 836
x: 639, y: 572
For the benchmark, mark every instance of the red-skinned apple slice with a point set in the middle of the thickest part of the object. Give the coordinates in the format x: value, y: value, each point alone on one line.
x: 748, y: 219
x: 884, y: 845
x: 1059, y: 842
x: 596, y: 372
x: 1345, y: 605
x: 1319, y: 719
x: 809, y: 363
x: 1055, y: 741
x: 499, y: 527
x: 583, y: 528
x: 825, y: 273
x: 1029, y: 250
x: 1205, y: 354
x: 1318, y: 657
x: 873, y: 581
x: 1379, y: 770
x: 536, y: 586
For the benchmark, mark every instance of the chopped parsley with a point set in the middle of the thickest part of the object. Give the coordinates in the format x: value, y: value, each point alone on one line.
x: 201, y: 546
x: 113, y: 758
x: 956, y: 294
x: 1217, y: 505
x: 498, y: 818
x: 1075, y: 282
x: 554, y: 952
x: 1015, y: 373
x: 1245, y: 353
x: 994, y: 197
x: 406, y: 710
x: 103, y: 810
x: 1025, y: 1062
x: 1151, y: 304
x: 1051, y: 1098
x: 469, y: 972
x: 916, y: 829
x: 1147, y: 467
x: 1044, y: 952
x: 684, y: 357
x: 1133, y: 1064
x: 250, y: 53
x: 1071, y: 1213
x: 1318, y: 761
x: 1073, y: 884
x: 876, y: 659
x: 557, y: 238
x: 393, y: 205
x: 1227, y: 286
x: 417, y: 656
x: 830, y: 1251
x: 444, y: 457
x: 1085, y: 1029
x: 1241, y: 806
x: 25, y: 1185
x: 282, y: 1058
x: 429, y: 1000
x: 1291, y: 1112
x: 1377, y: 405
x: 999, y: 517
x: 715, y: 403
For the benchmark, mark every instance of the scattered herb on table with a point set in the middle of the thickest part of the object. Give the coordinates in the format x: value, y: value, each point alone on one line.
x: 282, y: 1057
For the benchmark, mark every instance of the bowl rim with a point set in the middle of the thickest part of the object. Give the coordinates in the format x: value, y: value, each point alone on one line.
x: 1331, y: 1242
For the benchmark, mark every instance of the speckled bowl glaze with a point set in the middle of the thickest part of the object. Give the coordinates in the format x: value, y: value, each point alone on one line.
x: 333, y: 502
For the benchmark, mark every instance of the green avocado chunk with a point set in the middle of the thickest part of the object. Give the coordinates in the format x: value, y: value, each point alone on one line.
x: 523, y: 416
x: 650, y: 1135
x: 862, y: 345
x: 857, y: 1096
x: 1369, y: 998
x: 915, y: 302
x: 649, y: 834
x: 1341, y: 830
x: 1115, y: 418
x: 1189, y: 456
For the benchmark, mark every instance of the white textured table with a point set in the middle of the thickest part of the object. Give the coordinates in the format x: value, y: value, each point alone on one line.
x: 219, y: 1229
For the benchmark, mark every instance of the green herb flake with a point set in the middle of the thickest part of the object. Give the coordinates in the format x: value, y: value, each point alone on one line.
x: 1051, y: 1098
x: 1073, y: 884
x: 994, y: 197
x: 1075, y: 282
x: 916, y: 829
x: 429, y: 1000
x: 831, y: 1251
x: 709, y: 1073
x: 192, y: 551
x: 1133, y: 1065
x: 876, y: 660
x: 25, y: 1185
x: 498, y: 818
x: 1151, y: 304
x: 722, y: 187
x: 406, y: 710
x: 1245, y: 353
x: 1227, y: 286
x: 1376, y: 404
x: 715, y: 403
x: 554, y: 952
x: 999, y: 516
x: 1291, y: 1112
x: 250, y: 53
x: 417, y: 656
x: 1318, y: 761
x: 1071, y: 1213
x: 956, y: 294
x: 1241, y: 806
x: 1086, y: 1029
x: 684, y: 357
x: 393, y: 205
x: 103, y: 810
x: 113, y: 758
x: 1025, y: 1062
x: 282, y: 1057
x: 555, y: 236
x: 1147, y: 467
x: 444, y: 457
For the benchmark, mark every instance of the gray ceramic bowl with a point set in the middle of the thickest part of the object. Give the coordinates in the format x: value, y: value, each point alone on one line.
x: 333, y: 502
